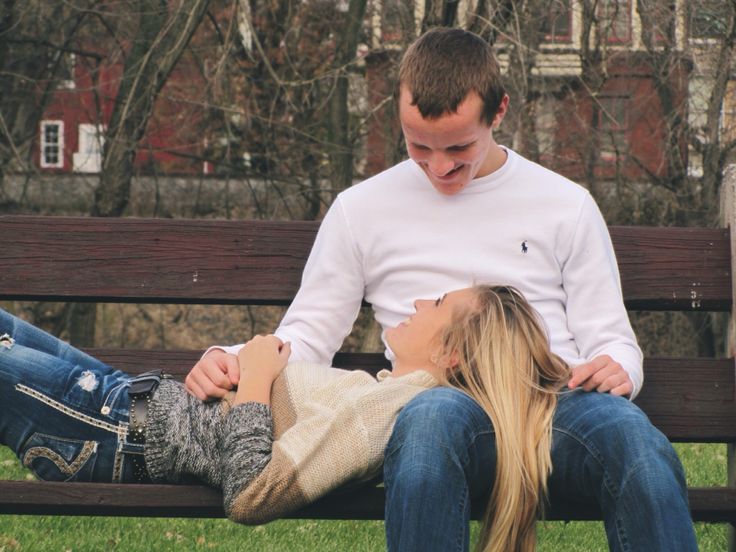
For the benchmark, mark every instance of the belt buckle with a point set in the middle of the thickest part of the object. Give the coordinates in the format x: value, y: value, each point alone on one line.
x: 145, y: 383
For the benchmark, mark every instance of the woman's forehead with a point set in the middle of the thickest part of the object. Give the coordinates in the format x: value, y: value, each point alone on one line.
x: 460, y: 296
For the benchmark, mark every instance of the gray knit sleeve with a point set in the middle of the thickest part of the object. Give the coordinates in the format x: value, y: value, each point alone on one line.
x: 245, y: 448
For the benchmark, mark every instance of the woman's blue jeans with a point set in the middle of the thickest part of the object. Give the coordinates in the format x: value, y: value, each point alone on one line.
x: 604, y: 451
x: 64, y: 413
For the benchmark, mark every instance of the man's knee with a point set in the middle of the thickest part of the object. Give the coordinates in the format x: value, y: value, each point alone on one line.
x: 630, y: 435
x: 651, y: 462
x: 623, y: 441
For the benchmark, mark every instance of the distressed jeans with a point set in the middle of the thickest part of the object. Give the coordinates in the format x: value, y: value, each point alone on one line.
x: 604, y: 451
x: 63, y: 413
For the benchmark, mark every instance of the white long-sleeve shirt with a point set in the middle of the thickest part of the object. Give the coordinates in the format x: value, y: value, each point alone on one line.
x: 393, y: 239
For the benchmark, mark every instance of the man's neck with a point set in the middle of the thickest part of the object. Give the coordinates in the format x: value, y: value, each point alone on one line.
x: 494, y: 160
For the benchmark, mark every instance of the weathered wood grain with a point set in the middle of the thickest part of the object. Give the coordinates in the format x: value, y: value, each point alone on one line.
x: 100, y: 499
x: 688, y: 399
x: 260, y: 262
x: 151, y: 260
x: 674, y: 268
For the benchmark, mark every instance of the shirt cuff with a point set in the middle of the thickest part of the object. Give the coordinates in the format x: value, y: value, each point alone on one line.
x: 230, y: 349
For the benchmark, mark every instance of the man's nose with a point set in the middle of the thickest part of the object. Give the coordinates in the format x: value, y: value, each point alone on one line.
x: 440, y: 164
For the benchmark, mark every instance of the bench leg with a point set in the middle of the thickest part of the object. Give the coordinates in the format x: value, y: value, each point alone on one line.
x: 732, y: 483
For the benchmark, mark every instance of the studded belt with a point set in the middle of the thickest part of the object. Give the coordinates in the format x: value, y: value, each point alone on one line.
x: 140, y: 392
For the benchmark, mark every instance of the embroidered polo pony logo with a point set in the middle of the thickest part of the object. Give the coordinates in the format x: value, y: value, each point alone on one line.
x: 524, y: 248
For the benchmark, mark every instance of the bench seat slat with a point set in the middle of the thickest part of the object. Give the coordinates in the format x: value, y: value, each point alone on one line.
x: 97, y: 499
x: 688, y: 399
x: 260, y: 262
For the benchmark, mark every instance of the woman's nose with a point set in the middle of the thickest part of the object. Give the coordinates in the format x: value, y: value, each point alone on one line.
x: 421, y: 303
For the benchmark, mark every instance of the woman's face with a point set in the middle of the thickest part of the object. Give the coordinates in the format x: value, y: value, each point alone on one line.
x: 416, y: 341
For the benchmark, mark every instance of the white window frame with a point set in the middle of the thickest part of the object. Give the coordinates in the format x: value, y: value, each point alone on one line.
x: 728, y: 113
x: 60, y: 145
x: 71, y: 63
x: 90, y: 143
x: 613, y: 132
x: 608, y: 19
x: 559, y: 38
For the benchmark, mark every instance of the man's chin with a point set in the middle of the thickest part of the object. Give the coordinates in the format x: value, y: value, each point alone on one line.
x: 450, y: 188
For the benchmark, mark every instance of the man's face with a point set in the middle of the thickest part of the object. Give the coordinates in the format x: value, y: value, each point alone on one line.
x: 453, y: 149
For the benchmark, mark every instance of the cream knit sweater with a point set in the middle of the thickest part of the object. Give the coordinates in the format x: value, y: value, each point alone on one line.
x: 326, y: 427
x: 330, y: 428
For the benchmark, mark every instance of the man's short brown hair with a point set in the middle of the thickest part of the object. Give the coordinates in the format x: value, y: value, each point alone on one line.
x: 444, y: 65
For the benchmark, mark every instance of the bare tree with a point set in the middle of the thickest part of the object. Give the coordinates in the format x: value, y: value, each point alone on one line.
x: 339, y: 133
x: 299, y: 93
x: 37, y: 42
x: 163, y: 31
x: 289, y: 101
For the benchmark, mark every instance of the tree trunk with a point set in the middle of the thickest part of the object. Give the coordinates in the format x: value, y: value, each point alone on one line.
x: 340, y: 138
x: 28, y: 63
x: 160, y: 41
x: 81, y: 320
x: 158, y: 45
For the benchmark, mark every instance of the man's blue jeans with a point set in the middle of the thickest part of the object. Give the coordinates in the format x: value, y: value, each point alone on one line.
x: 64, y: 413
x: 604, y: 450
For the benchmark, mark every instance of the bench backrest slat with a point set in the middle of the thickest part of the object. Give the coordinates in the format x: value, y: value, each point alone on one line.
x: 153, y: 260
x: 260, y: 262
x: 674, y: 268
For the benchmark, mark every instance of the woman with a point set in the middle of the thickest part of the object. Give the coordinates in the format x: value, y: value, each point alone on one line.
x: 286, y: 437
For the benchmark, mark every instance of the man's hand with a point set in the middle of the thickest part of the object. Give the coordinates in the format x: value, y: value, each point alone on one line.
x: 602, y: 374
x: 214, y: 375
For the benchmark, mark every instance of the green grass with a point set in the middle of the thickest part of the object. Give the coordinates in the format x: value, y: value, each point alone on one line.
x: 704, y: 464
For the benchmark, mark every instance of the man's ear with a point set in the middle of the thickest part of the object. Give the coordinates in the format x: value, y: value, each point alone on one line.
x: 503, y: 108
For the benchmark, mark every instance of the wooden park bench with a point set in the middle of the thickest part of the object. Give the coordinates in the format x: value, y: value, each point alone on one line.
x: 260, y: 262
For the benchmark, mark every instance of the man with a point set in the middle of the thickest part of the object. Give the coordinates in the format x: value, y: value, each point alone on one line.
x: 464, y: 209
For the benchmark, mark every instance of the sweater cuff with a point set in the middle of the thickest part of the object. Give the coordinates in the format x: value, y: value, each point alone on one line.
x: 246, y: 448
x: 158, y: 460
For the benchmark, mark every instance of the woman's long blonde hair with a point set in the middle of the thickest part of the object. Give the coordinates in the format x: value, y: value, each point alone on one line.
x: 504, y: 363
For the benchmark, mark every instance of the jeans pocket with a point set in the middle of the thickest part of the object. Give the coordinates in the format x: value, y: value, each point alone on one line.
x: 116, y: 404
x: 59, y: 459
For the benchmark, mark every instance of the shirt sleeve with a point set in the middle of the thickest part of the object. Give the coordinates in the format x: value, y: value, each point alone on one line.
x: 329, y: 298
x: 596, y: 314
x: 245, y: 449
x: 331, y: 292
